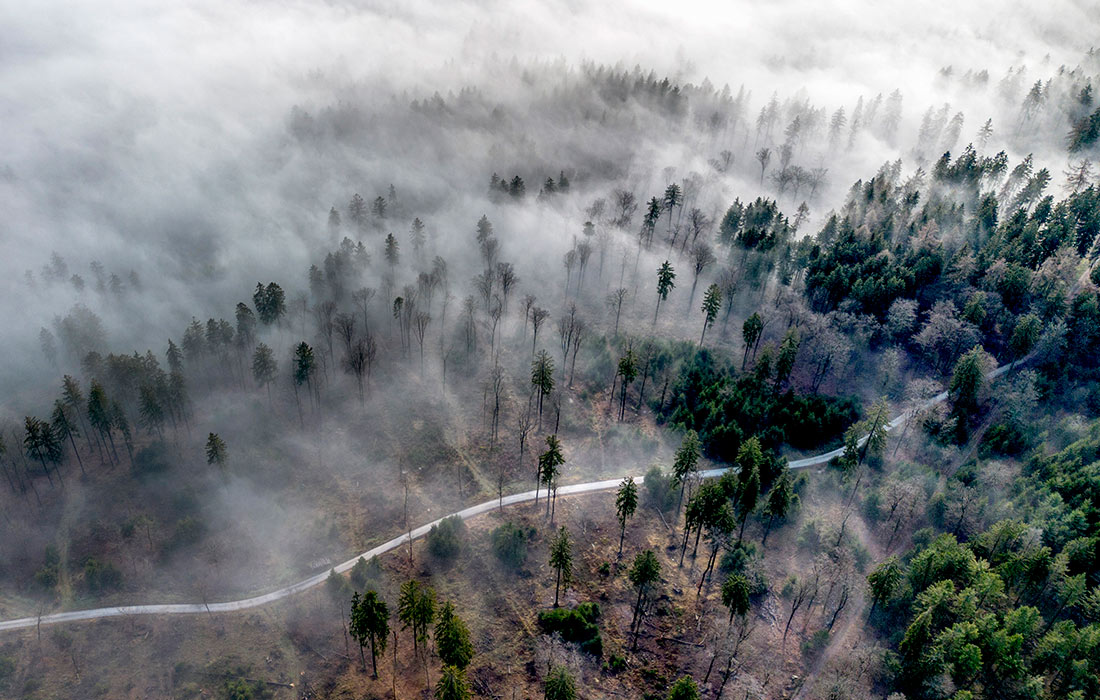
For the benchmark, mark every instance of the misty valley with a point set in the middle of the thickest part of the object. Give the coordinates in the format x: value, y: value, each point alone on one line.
x: 565, y: 351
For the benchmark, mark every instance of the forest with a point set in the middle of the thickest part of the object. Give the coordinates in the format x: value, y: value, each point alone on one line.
x: 554, y: 377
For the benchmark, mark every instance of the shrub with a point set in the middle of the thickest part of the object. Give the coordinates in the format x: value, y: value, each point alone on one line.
x: 151, y: 460
x: 616, y: 664
x: 510, y: 545
x: 338, y: 587
x: 577, y: 625
x: 659, y: 492
x: 47, y: 575
x: 815, y: 644
x: 101, y: 577
x: 1007, y: 438
x: 738, y: 559
x: 810, y: 537
x: 7, y: 670
x: 188, y: 532
x: 446, y: 539
x: 241, y: 689
x: 364, y: 572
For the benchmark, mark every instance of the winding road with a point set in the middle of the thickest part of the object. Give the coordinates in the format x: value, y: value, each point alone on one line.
x: 318, y: 579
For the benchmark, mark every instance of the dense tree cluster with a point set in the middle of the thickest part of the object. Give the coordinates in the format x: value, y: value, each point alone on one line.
x: 724, y: 407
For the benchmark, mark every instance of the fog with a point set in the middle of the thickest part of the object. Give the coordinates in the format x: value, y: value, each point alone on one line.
x: 201, y: 147
x: 156, y: 139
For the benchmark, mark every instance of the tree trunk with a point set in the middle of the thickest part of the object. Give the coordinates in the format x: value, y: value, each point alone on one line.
x: 684, y: 545
x: 373, y: 658
x: 636, y: 622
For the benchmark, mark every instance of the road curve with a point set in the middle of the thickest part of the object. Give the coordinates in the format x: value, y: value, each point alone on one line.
x: 466, y: 513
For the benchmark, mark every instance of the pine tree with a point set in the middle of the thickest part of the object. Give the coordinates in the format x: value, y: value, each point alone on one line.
x: 750, y: 458
x: 549, y: 464
x: 712, y: 303
x: 781, y: 499
x: 370, y: 624
x: 452, y: 638
x: 65, y: 429
x: 735, y: 594
x: 542, y: 376
x: 561, y: 560
x: 674, y: 197
x: 560, y: 685
x: 416, y: 234
x: 644, y: 572
x: 626, y: 502
x: 685, y: 463
x: 264, y: 367
x: 751, y: 331
x: 452, y: 685
x: 684, y: 689
x: 416, y: 610
x: 666, y: 277
x: 628, y: 370
x: 215, y: 450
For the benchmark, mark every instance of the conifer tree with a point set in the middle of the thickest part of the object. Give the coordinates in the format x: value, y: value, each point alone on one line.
x: 561, y: 560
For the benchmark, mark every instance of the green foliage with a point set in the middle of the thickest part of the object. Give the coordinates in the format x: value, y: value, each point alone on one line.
x: 645, y: 570
x: 215, y: 450
x: 1010, y: 608
x: 576, y: 625
x: 452, y: 638
x: 851, y: 267
x: 447, y: 539
x: 510, y: 545
x: 781, y: 499
x: 101, y: 577
x: 659, y: 491
x: 542, y: 373
x: 626, y: 502
x: 735, y: 594
x: 724, y: 409
x: 550, y: 461
x: 560, y: 685
x: 7, y: 670
x: 1007, y: 438
x: 305, y: 364
x: 264, y: 366
x: 1025, y: 335
x: 47, y: 576
x: 369, y: 623
x: 366, y: 572
x: 1085, y: 132
x: 687, y: 458
x: 967, y: 380
x: 885, y: 580
x: 241, y: 689
x: 337, y: 587
x: 188, y: 532
x: 684, y: 689
x: 561, y: 560
x: 712, y: 304
x: 270, y: 302
x: 452, y: 684
x: 666, y: 277
x: 616, y: 663
x: 416, y: 610
x: 815, y: 644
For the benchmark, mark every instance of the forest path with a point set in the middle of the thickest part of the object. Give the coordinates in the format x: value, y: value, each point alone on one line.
x: 466, y: 513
